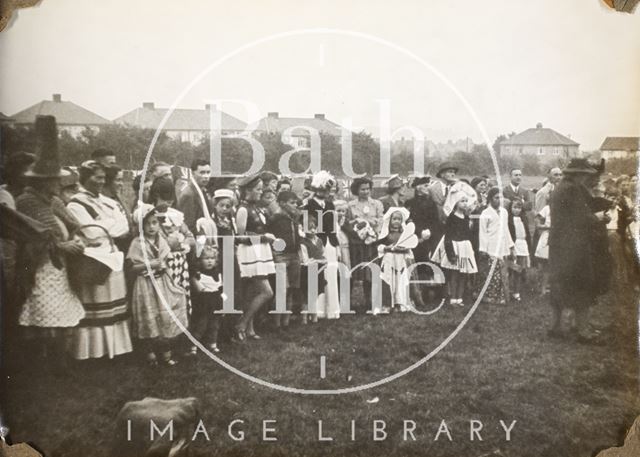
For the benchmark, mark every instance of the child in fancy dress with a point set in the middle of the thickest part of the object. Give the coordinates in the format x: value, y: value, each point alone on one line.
x: 155, y: 300
x: 519, y: 231
x: 395, y: 258
x: 206, y: 285
x: 312, y: 259
x: 455, y: 253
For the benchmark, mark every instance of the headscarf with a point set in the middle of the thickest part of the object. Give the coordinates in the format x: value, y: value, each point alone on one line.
x: 456, y: 193
x: 386, y: 220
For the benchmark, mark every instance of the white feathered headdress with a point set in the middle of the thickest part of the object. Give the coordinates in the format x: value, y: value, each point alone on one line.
x: 322, y: 180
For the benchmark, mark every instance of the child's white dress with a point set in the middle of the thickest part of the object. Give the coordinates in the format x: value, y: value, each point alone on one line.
x: 542, y: 249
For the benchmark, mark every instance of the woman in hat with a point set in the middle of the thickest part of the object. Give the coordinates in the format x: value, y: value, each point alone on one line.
x: 51, y: 308
x: 424, y: 214
x: 105, y: 329
x: 395, y: 192
x: 364, y: 217
x: 255, y: 258
x: 321, y: 207
x: 576, y: 254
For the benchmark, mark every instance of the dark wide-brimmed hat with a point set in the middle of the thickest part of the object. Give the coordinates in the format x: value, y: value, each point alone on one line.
x: 418, y: 180
x: 446, y: 166
x: 47, y: 164
x: 577, y: 166
x: 249, y: 181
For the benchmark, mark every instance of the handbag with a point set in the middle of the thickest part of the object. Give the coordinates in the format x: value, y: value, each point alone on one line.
x: 84, y: 270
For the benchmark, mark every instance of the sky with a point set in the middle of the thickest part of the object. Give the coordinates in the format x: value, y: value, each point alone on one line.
x: 452, y: 69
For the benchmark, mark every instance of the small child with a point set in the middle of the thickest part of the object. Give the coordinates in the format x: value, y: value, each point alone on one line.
x: 284, y: 225
x: 206, y: 284
x: 519, y: 231
x: 152, y: 322
x: 543, y: 224
x: 311, y: 253
x: 395, y: 259
x: 455, y: 253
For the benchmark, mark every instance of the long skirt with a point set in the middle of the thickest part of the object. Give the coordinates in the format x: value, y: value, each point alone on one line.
x: 105, y: 328
x: 329, y: 301
x: 361, y: 253
x: 394, y: 274
x: 498, y: 287
x: 52, y: 303
x: 151, y: 319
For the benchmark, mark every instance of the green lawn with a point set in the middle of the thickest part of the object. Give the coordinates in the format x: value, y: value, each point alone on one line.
x: 569, y: 400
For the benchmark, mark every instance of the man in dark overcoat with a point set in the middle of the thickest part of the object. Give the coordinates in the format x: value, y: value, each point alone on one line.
x: 576, y: 250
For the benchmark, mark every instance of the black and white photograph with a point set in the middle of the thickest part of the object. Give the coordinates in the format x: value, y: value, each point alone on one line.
x: 310, y: 229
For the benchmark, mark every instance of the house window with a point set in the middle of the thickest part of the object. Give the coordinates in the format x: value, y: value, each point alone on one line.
x: 540, y: 151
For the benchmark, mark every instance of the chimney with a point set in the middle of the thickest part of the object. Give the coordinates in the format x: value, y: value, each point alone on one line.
x: 207, y: 107
x: 57, y: 98
x: 319, y: 116
x: 148, y: 105
x: 539, y: 125
x: 273, y: 114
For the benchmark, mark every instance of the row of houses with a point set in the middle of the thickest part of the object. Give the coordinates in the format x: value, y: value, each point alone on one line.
x: 193, y: 125
x: 188, y: 125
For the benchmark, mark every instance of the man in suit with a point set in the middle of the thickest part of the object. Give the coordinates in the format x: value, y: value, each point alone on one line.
x: 395, y: 191
x: 439, y: 188
x: 515, y: 190
x: 194, y: 199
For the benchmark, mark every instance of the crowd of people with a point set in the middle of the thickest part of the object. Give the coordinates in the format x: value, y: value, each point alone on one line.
x: 89, y: 274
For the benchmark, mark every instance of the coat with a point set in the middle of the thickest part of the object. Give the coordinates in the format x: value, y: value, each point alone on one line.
x: 424, y: 214
x: 522, y: 193
x: 578, y: 250
x: 190, y: 203
x: 328, y: 220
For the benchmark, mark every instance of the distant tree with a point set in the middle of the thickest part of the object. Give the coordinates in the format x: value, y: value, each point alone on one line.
x: 500, y: 139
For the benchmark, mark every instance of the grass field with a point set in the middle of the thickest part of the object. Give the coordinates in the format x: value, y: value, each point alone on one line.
x: 569, y: 400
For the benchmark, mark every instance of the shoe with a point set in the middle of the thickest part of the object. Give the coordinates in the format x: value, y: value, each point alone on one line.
x: 253, y: 336
x: 213, y: 347
x: 192, y: 352
x: 170, y: 362
x: 152, y: 361
x: 239, y: 336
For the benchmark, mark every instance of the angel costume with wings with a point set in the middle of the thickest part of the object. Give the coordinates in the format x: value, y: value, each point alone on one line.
x: 395, y: 246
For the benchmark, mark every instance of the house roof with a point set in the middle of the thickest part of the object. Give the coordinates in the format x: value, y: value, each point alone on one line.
x: 273, y: 123
x: 539, y: 136
x: 5, y: 118
x: 621, y: 143
x: 65, y: 112
x: 180, y: 119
